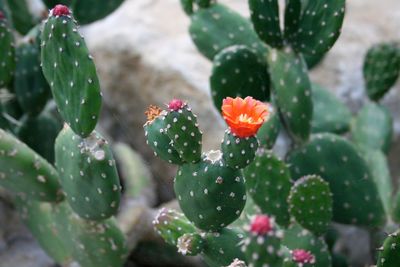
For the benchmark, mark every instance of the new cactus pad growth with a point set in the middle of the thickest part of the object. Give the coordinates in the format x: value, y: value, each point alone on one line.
x: 70, y: 71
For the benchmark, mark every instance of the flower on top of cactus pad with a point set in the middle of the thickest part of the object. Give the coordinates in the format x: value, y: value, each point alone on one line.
x: 303, y: 256
x: 60, y: 10
x: 152, y: 112
x: 176, y: 104
x: 244, y: 116
x: 261, y: 225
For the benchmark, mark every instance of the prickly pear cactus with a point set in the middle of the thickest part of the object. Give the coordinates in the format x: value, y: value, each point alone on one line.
x: 210, y: 194
x: 265, y: 18
x: 268, y: 183
x: 70, y: 71
x: 88, y: 11
x: 88, y: 174
x: 238, y: 71
x: 238, y: 152
x: 389, y: 255
x: 22, y: 18
x: 269, y: 131
x: 7, y: 56
x: 329, y: 113
x: 381, y: 69
x: 25, y: 172
x: 373, y: 127
x: 310, y: 203
x: 218, y: 27
x: 293, y: 92
x: 352, y: 184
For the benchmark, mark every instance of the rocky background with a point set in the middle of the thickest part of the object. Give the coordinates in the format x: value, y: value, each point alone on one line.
x: 144, y: 56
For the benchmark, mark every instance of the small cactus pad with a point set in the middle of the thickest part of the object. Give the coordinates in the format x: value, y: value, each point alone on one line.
x: 223, y: 247
x: 303, y: 245
x: 355, y: 195
x: 210, y: 194
x: 238, y: 152
x: 40, y: 134
x: 25, y: 172
x: 379, y: 166
x: 22, y: 18
x: 389, y: 256
x: 39, y: 219
x: 319, y: 26
x: 238, y: 71
x: 31, y: 88
x: 183, y: 130
x: 373, y: 127
x: 293, y: 92
x: 190, y: 244
x: 157, y: 138
x: 269, y: 131
x: 93, y: 244
x: 381, y: 69
x: 7, y: 55
x: 268, y: 183
x: 329, y: 114
x: 171, y: 225
x: 88, y: 174
x: 217, y: 27
x: 70, y: 71
x: 265, y: 18
x: 310, y: 203
x: 262, y: 245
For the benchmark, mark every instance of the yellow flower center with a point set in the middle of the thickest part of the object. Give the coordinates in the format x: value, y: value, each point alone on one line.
x: 245, y: 118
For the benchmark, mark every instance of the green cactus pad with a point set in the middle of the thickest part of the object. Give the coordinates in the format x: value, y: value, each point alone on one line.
x: 265, y: 18
x: 297, y: 237
x: 381, y: 69
x: 319, y: 26
x: 22, y: 18
x: 93, y: 244
x: 238, y: 152
x: 25, y: 172
x: 171, y: 225
x: 310, y: 203
x: 187, y: 6
x: 190, y: 244
x: 210, y: 194
x: 223, y: 247
x: 293, y: 92
x: 355, y: 195
x: 88, y: 174
x: 40, y: 133
x: 329, y: 114
x: 183, y: 130
x: 31, y: 88
x: 293, y: 10
x: 88, y: 11
x: 217, y: 27
x: 379, y: 167
x: 268, y: 183
x: 373, y: 127
x: 159, y: 141
x: 71, y: 73
x: 7, y: 55
x: 39, y: 219
x: 269, y: 131
x: 238, y: 71
x: 389, y: 256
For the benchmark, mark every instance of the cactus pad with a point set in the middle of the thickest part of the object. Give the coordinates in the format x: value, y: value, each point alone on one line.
x: 338, y: 162
x: 190, y: 244
x: 389, y: 256
x: 381, y: 69
x: 268, y: 183
x: 22, y: 18
x: 310, y: 203
x: 7, y: 55
x: 373, y: 127
x: 70, y: 71
x: 25, y: 172
x: 293, y: 92
x: 237, y: 71
x: 217, y: 27
x: 265, y: 18
x: 210, y: 194
x: 238, y: 152
x: 88, y: 174
x: 269, y: 131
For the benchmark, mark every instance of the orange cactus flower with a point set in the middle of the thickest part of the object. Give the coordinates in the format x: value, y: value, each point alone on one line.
x: 244, y: 116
